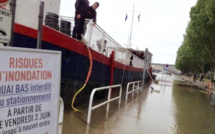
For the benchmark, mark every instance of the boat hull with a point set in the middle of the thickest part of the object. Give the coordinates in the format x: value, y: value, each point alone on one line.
x: 75, y: 63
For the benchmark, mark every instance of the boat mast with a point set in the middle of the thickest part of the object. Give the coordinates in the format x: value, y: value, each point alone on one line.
x: 129, y: 45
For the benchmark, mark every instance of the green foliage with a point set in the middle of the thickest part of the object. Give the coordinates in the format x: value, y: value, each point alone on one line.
x: 196, y: 53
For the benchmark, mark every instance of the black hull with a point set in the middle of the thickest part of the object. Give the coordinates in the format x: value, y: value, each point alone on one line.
x: 75, y: 68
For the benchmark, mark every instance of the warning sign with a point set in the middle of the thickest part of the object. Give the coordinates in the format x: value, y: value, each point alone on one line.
x: 5, y: 25
x: 29, y: 91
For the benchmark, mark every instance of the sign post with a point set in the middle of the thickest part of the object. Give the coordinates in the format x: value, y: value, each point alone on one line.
x: 145, y: 66
x: 29, y: 90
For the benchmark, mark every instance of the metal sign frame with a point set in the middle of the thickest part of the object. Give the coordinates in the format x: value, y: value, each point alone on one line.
x: 57, y: 72
x: 5, y: 25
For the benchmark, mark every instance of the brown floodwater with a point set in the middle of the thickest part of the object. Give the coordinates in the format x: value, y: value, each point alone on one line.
x: 172, y: 109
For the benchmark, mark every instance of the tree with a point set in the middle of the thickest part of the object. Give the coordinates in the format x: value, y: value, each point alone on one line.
x: 198, y: 47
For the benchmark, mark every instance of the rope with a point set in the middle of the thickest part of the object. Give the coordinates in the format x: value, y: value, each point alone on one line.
x: 150, y: 75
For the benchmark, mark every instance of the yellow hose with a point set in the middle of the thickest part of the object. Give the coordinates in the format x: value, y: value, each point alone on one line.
x: 73, y: 100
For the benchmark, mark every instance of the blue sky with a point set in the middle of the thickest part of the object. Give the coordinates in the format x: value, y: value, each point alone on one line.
x: 160, y: 29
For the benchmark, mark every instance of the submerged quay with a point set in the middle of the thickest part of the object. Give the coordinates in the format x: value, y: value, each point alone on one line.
x: 206, y: 85
x: 169, y: 108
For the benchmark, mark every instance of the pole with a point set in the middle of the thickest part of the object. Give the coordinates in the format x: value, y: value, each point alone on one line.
x: 13, y: 11
x: 40, y: 24
x: 145, y: 65
x: 131, y: 28
x: 112, y: 69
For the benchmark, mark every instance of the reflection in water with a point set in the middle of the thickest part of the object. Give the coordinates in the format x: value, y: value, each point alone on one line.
x: 194, y: 114
x: 211, y: 98
x: 174, y: 110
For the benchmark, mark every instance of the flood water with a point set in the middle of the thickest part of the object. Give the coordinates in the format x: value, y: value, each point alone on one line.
x: 172, y: 109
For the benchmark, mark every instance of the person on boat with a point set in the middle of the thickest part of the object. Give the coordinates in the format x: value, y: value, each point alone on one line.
x: 81, y: 7
x: 91, y: 12
x: 131, y: 60
x: 83, y: 11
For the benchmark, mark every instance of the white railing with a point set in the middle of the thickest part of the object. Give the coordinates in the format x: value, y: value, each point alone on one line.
x: 101, y: 42
x: 109, y: 99
x: 61, y: 112
x: 135, y: 87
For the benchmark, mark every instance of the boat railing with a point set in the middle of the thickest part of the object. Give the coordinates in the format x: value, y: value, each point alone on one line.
x: 109, y: 99
x: 103, y: 43
x: 136, y: 86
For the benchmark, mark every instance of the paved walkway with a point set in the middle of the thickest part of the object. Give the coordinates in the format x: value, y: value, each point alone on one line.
x: 203, y: 85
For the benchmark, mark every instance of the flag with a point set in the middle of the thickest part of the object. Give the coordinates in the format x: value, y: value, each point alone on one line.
x: 126, y: 17
x: 138, y: 17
